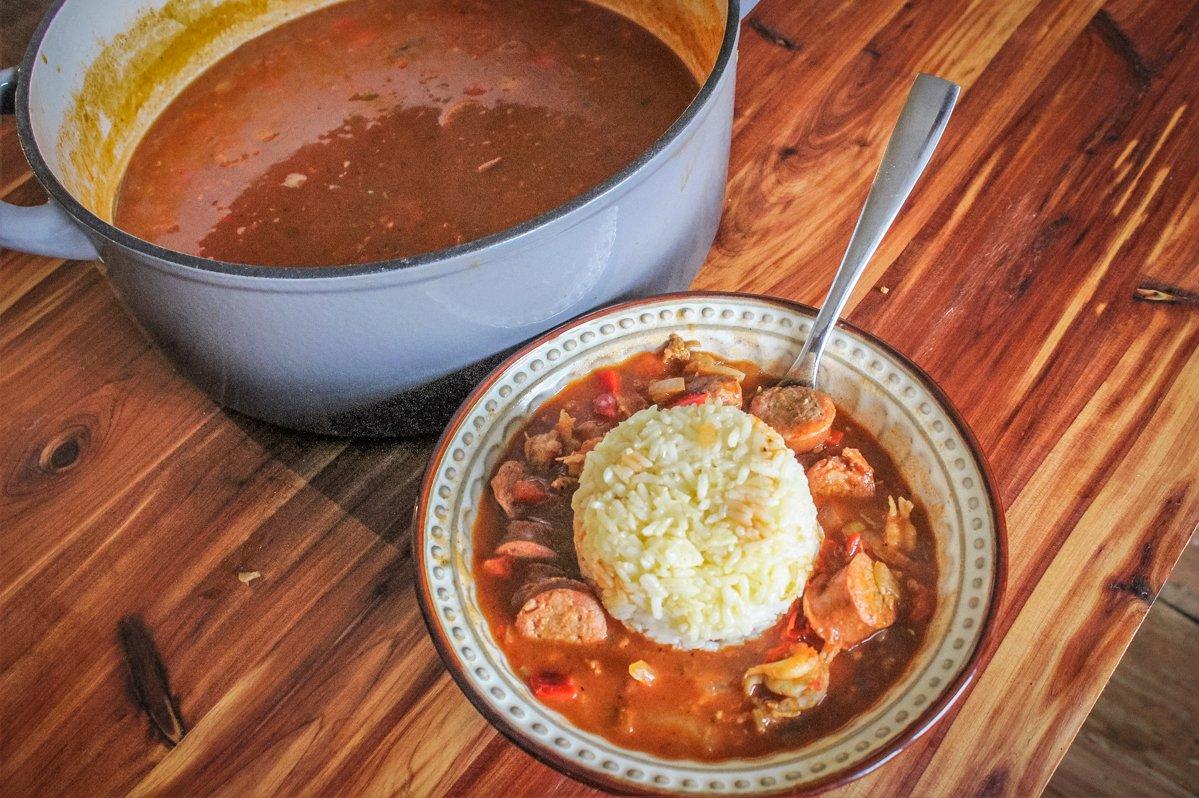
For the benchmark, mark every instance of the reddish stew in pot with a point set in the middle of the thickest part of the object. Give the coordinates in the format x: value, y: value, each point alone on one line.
x: 854, y: 632
x: 378, y: 129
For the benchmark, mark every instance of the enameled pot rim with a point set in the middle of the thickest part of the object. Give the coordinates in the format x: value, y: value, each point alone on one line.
x: 937, y: 708
x: 76, y: 210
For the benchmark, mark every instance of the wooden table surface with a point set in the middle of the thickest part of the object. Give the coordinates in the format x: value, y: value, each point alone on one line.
x: 1046, y: 272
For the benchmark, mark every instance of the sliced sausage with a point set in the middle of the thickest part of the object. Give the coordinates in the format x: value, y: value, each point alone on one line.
x: 846, y: 476
x: 852, y: 604
x: 527, y: 540
x: 543, y: 570
x: 803, y: 416
x: 541, y: 576
x: 564, y: 615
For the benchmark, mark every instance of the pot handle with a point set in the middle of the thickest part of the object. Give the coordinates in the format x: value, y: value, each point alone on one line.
x: 40, y: 229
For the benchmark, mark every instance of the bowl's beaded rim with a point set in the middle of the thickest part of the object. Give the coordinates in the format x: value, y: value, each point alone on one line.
x: 459, y: 483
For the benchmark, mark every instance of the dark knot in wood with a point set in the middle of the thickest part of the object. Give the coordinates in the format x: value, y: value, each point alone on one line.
x: 774, y: 37
x: 148, y: 683
x: 62, y: 452
x: 1136, y: 586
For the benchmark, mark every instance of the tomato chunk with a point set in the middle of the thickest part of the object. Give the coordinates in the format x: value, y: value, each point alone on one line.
x: 549, y: 685
x: 835, y: 436
x: 609, y: 379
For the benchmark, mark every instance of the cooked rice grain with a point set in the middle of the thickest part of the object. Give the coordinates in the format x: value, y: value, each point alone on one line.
x: 695, y: 524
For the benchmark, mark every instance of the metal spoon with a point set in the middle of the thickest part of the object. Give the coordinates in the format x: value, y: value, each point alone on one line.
x: 920, y: 125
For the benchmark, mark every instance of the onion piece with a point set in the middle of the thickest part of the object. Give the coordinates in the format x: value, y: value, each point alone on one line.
x: 719, y: 370
x: 661, y: 390
x: 703, y: 364
x: 642, y: 672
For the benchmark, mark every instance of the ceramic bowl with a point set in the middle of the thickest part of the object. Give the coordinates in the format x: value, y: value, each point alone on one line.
x: 876, y: 385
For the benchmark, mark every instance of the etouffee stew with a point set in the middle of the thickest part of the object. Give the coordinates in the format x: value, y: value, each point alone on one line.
x: 862, y: 618
x: 378, y: 129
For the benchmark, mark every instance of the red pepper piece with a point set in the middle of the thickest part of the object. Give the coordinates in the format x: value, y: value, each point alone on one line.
x: 499, y: 567
x: 609, y: 379
x: 835, y: 436
x: 605, y: 405
x: 548, y: 685
x: 792, y: 629
x: 690, y: 399
x: 529, y: 491
x: 853, y: 544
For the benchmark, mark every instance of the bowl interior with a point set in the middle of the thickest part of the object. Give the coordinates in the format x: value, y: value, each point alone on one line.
x: 874, y: 385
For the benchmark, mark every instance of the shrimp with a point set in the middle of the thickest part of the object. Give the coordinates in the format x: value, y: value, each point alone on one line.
x: 800, y: 681
x: 896, y: 542
x: 846, y: 475
x: 899, y: 531
x: 852, y: 604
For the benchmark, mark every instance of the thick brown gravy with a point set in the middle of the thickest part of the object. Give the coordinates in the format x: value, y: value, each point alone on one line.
x: 377, y: 129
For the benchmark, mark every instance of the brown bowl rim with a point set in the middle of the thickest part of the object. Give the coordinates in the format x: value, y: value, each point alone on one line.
x: 952, y: 693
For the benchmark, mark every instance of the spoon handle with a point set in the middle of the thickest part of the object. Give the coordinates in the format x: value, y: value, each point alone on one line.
x: 913, y: 140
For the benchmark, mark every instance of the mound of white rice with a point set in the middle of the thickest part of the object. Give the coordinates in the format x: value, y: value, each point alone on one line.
x: 695, y: 524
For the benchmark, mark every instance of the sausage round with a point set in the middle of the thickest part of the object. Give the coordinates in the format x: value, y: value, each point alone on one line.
x: 563, y: 614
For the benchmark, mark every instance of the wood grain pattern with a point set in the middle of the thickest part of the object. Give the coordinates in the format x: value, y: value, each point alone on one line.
x: 1141, y: 737
x: 1182, y: 591
x: 1068, y: 179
